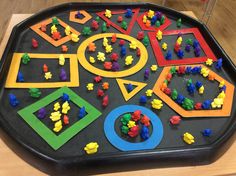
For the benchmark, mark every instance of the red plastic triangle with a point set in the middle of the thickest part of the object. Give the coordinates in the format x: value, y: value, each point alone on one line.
x: 130, y: 25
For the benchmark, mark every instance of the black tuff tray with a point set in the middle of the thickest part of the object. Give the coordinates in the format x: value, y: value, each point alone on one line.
x: 172, y: 150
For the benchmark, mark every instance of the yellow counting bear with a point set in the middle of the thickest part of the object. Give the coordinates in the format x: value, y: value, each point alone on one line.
x: 55, y: 116
x: 90, y: 86
x: 48, y: 75
x: 61, y: 59
x: 91, y: 148
x: 105, y: 42
x: 74, y: 37
x: 154, y: 68
x: 156, y: 104
x: 149, y: 92
x: 144, y: 18
x: 159, y: 35
x: 53, y: 29
x: 131, y: 124
x: 217, y: 103
x: 65, y: 107
x: 57, y: 126
x: 188, y: 138
x: 221, y: 95
x: 205, y: 72
x: 57, y: 106
x: 209, y: 62
x: 67, y: 30
x: 179, y: 40
x: 108, y: 13
x: 91, y: 60
x: 201, y: 90
x: 151, y: 13
x: 108, y: 48
x: 101, y: 56
x: 133, y: 45
x: 222, y: 83
x: 164, y: 46
x: 129, y: 60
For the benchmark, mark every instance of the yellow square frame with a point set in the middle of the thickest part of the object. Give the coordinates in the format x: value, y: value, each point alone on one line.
x: 15, y: 65
x: 56, y: 43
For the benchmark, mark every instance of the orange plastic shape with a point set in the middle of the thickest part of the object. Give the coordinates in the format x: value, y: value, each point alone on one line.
x: 11, y: 81
x: 225, y: 111
x: 56, y: 43
x: 86, y: 15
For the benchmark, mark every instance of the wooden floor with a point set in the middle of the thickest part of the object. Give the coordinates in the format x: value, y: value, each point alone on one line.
x: 222, y: 23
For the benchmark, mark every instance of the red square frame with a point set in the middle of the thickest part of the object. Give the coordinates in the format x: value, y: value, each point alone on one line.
x: 160, y: 58
x: 130, y: 25
x: 152, y: 28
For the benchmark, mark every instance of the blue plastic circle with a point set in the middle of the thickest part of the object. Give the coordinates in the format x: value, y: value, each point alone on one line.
x: 118, y: 142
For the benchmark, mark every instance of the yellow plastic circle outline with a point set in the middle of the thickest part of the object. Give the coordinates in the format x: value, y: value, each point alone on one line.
x: 84, y: 62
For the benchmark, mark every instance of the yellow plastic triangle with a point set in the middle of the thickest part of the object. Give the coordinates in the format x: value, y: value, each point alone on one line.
x: 127, y: 95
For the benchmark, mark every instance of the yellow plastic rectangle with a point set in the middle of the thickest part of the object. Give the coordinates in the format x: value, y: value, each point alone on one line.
x: 15, y: 65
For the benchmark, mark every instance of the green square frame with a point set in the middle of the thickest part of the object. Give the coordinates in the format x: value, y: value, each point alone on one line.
x: 56, y: 141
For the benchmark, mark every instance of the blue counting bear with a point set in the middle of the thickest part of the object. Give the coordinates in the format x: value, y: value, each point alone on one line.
x: 223, y: 88
x: 180, y: 53
x: 78, y: 15
x: 198, y: 84
x: 129, y: 87
x: 196, y: 69
x: 123, y: 51
x: 144, y: 133
x: 207, y: 132
x: 20, y: 77
x: 168, y: 55
x: 65, y: 97
x: 82, y: 113
x: 128, y: 13
x: 206, y: 104
x: 154, y: 19
x: 13, y: 101
x: 197, y: 51
x: 195, y: 43
x: 191, y: 88
x: 143, y: 99
x: 218, y: 64
x: 180, y: 99
x: 188, y: 70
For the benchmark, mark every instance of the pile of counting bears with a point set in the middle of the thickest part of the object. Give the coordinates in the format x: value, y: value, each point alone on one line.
x: 153, y: 18
x: 187, y: 103
x: 59, y: 115
x: 132, y: 122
